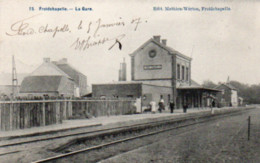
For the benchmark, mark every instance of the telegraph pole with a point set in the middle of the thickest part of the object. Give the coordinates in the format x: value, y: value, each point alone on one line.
x: 14, y: 79
x: 248, y: 128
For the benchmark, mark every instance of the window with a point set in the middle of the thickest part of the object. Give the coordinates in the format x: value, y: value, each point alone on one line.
x: 182, y: 72
x: 152, y: 53
x: 223, y: 91
x: 187, y: 73
x: 178, y: 72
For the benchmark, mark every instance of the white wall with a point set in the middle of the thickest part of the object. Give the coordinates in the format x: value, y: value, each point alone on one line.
x: 234, y: 98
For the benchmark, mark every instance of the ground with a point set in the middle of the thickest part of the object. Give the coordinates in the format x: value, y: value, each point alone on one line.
x: 224, y: 140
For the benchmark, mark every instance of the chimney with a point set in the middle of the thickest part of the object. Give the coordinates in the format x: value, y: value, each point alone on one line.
x: 164, y: 41
x: 228, y: 80
x: 120, y: 74
x: 46, y: 60
x: 157, y: 38
x: 122, y: 71
x: 64, y: 60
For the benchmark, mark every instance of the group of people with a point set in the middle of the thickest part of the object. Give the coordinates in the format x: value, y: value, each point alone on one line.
x: 161, y: 106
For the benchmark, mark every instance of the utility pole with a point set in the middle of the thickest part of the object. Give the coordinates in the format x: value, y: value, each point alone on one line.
x: 248, y: 129
x: 14, y: 79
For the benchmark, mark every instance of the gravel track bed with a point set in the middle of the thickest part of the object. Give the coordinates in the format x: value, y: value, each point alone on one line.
x: 224, y: 140
x: 107, y: 152
x: 39, y: 150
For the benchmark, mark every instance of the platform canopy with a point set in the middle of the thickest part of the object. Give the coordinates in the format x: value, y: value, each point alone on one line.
x: 203, y: 89
x: 194, y: 86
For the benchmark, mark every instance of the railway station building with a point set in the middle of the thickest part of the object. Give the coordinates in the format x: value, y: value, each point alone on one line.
x: 158, y: 71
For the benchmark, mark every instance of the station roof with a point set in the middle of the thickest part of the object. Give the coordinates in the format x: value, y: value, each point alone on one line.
x: 195, y: 86
x: 167, y: 48
x: 227, y: 85
x: 119, y: 82
x: 130, y: 82
x: 199, y: 88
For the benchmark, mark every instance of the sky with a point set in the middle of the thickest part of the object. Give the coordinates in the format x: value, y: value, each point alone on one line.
x: 221, y: 43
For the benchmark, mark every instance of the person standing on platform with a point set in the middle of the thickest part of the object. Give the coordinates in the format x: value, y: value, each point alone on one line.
x: 153, y: 106
x: 212, y: 106
x: 213, y: 103
x: 138, y: 105
x: 161, y: 105
x: 171, y: 106
x: 185, y: 106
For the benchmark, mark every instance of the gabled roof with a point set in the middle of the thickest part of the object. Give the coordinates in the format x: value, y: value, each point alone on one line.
x: 69, y: 70
x: 231, y: 86
x: 167, y: 48
x: 227, y: 85
x: 40, y: 84
x: 49, y: 69
x: 192, y: 85
x: 195, y: 85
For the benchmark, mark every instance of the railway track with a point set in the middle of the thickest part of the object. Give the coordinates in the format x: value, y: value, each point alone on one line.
x: 16, y: 144
x: 112, y: 129
x: 88, y: 149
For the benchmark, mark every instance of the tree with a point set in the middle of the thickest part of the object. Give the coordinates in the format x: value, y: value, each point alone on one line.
x: 209, y: 84
x: 250, y: 93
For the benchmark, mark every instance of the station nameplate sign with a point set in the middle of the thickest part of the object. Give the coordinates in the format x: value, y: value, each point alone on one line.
x: 152, y: 67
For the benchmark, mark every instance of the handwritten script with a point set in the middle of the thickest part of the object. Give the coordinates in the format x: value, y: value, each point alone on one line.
x: 92, y: 31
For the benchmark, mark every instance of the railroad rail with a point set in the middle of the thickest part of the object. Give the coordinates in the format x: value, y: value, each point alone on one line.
x: 88, y: 149
x: 157, y: 122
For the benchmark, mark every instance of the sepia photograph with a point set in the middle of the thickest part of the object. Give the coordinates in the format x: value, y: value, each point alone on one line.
x: 117, y: 81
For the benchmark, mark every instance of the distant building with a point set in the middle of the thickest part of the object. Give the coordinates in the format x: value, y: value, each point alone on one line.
x: 53, y: 79
x: 240, y: 101
x: 227, y: 95
x: 158, y: 71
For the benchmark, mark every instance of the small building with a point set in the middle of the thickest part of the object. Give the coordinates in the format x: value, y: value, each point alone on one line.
x: 227, y: 95
x: 79, y: 78
x: 132, y: 89
x: 50, y: 80
x: 158, y: 71
x: 240, y: 101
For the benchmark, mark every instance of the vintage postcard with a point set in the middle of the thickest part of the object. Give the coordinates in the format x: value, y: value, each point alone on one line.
x: 129, y: 81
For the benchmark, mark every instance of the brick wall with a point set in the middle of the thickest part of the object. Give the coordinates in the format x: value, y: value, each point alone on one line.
x: 114, y: 90
x: 161, y: 58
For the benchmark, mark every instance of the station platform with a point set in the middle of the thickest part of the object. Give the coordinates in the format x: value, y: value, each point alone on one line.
x: 68, y: 125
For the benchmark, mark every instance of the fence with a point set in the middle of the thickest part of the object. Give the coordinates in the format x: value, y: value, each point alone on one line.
x: 26, y: 114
